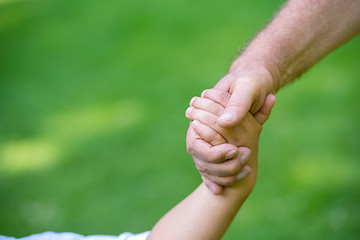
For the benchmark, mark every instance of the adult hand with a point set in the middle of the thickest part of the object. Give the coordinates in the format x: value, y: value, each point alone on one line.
x: 248, y: 88
x: 219, y: 162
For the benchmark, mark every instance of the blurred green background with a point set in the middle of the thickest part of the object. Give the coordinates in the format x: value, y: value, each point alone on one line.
x: 92, y: 125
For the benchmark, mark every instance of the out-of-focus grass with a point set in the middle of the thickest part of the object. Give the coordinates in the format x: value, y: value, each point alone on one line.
x: 92, y: 100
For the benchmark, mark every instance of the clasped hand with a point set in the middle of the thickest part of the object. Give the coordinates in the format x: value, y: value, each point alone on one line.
x: 221, y: 154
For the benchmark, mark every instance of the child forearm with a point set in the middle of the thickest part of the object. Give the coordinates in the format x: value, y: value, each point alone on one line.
x: 203, y: 215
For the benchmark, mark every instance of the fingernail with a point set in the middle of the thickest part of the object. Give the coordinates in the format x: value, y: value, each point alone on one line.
x: 203, y: 93
x: 226, y: 117
x: 231, y: 154
x: 195, y: 123
x: 245, y: 157
x: 242, y: 174
x: 192, y: 101
x: 188, y: 111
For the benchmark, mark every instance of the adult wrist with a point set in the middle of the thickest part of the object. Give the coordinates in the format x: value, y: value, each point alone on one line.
x: 252, y: 60
x: 267, y: 74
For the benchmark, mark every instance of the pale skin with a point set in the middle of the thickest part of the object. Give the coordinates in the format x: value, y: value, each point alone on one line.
x: 300, y: 35
x: 203, y: 215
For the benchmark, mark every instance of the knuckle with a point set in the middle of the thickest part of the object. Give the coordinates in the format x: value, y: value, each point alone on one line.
x: 213, y: 156
x: 189, y: 148
x: 209, y: 178
x: 192, y: 142
x: 225, y: 98
x: 202, y: 167
x: 206, y: 103
x: 199, y: 168
x: 205, y: 169
x: 215, y: 138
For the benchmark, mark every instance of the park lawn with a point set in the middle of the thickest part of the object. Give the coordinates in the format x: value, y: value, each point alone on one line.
x: 92, y: 125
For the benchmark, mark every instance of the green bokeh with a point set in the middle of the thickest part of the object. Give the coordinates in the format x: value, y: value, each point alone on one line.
x: 92, y: 126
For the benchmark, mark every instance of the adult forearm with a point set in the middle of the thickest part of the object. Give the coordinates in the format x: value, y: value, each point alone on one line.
x: 301, y: 34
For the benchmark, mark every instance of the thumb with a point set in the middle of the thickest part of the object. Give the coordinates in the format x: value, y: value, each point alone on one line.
x: 239, y: 104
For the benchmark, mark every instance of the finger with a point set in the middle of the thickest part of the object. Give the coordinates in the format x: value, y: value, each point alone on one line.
x: 207, y: 105
x: 225, y: 169
x: 263, y: 114
x: 227, y: 181
x: 225, y: 83
x: 207, y: 133
x: 206, y: 152
x: 207, y: 119
x: 242, y: 98
x: 231, y: 135
x: 213, y: 187
x: 217, y: 95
